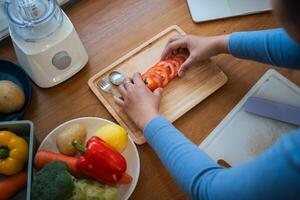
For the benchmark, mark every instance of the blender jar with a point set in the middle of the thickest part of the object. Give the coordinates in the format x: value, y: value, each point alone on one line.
x: 3, y: 21
x: 33, y: 20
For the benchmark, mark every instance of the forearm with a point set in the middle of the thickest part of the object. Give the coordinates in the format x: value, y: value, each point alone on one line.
x: 273, y: 175
x: 183, y: 159
x: 268, y: 46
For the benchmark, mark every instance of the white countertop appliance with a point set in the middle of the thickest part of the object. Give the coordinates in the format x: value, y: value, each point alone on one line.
x: 3, y: 22
x: 46, y: 43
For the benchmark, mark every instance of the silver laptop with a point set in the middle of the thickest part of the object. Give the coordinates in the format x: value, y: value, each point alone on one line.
x: 206, y: 10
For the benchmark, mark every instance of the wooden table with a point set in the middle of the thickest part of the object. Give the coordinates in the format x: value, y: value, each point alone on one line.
x: 110, y: 29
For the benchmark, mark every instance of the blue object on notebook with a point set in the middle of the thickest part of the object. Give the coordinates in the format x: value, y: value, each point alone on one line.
x: 274, y: 110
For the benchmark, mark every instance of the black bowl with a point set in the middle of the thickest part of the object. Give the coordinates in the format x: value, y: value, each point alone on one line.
x: 12, y: 72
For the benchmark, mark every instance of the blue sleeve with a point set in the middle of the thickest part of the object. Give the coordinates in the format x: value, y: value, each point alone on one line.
x: 273, y: 175
x: 268, y: 46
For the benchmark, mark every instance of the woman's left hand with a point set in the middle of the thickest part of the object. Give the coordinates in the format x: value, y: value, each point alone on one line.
x: 140, y: 104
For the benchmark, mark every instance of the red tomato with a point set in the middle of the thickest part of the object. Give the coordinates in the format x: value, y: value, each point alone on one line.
x: 152, y: 80
x: 182, y: 55
x: 170, y: 68
x: 176, y: 65
x: 157, y: 78
x: 148, y: 80
x: 180, y: 60
x: 163, y: 72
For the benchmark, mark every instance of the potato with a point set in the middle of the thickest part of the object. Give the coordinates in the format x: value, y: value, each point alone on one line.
x: 12, y: 98
x: 65, y: 138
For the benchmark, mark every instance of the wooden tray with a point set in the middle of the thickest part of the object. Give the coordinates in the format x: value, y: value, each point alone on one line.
x: 178, y: 97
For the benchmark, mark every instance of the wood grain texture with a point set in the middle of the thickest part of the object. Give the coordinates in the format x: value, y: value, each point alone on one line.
x: 110, y: 29
x: 179, y: 96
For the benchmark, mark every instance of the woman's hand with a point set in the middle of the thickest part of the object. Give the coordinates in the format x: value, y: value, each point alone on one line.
x: 140, y: 104
x: 200, y: 49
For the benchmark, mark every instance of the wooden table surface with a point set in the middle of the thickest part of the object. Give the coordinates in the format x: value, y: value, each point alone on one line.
x: 110, y: 29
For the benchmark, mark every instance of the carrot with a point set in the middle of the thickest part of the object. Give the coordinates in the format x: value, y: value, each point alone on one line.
x: 11, y: 185
x: 125, y: 179
x: 42, y: 158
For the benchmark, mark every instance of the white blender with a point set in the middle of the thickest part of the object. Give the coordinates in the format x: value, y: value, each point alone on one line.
x: 46, y: 43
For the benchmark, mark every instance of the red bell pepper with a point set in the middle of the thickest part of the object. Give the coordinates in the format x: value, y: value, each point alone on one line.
x: 101, y: 162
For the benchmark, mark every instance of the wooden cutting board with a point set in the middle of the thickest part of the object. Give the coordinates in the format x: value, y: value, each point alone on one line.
x: 179, y: 96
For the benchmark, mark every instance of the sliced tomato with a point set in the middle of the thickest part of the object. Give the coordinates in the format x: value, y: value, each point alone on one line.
x: 182, y: 55
x: 163, y: 72
x: 180, y: 60
x: 157, y: 78
x: 176, y: 65
x: 149, y: 81
x: 170, y: 68
x: 152, y: 80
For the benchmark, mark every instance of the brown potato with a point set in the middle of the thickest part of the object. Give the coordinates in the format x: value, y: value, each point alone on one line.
x: 65, y: 138
x: 12, y: 98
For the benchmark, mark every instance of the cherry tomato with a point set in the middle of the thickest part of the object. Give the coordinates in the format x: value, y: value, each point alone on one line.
x: 163, y: 72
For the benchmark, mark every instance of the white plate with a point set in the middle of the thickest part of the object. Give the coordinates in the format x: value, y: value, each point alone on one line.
x: 92, y: 124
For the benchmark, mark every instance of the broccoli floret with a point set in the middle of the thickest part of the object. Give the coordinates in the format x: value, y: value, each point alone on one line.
x: 53, y: 182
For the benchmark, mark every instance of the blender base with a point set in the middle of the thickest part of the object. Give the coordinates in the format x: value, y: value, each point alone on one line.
x: 54, y: 59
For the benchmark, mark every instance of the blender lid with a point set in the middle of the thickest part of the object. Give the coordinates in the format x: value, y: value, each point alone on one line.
x: 33, y: 19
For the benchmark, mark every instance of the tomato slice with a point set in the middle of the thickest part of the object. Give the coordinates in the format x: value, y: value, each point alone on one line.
x: 182, y: 55
x: 152, y: 80
x: 180, y: 60
x: 157, y: 78
x: 149, y: 81
x: 163, y: 72
x: 170, y: 67
x: 176, y: 65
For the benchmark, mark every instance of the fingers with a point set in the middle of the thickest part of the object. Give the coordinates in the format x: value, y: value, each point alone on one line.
x: 158, y: 92
x: 137, y: 79
x: 185, y: 66
x: 128, y: 85
x: 122, y: 90
x: 119, y: 101
x: 174, y: 46
x: 176, y: 37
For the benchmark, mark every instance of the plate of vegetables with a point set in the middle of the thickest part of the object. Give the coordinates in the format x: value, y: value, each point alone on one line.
x: 86, y: 158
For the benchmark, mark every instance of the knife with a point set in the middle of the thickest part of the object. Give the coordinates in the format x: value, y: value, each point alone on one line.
x: 274, y: 110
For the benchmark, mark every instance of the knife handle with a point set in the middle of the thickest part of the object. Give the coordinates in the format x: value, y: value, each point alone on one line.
x: 274, y: 110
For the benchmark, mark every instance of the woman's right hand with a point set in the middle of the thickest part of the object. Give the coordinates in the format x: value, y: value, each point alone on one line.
x: 200, y: 49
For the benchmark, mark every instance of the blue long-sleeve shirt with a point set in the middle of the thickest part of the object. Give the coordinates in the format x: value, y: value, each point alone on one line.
x: 275, y: 174
x: 269, y: 46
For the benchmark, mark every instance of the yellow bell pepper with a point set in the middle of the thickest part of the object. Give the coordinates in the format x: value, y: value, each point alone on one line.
x: 13, y: 153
